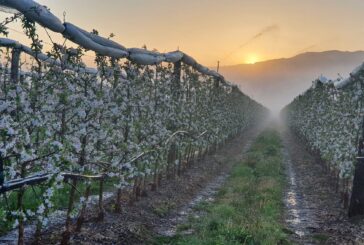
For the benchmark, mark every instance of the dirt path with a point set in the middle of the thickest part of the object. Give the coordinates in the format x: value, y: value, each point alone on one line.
x: 234, y: 153
x: 161, y: 211
x: 313, y: 210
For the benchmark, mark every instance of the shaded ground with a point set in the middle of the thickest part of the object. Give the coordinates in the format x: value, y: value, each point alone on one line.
x: 313, y: 210
x: 163, y: 210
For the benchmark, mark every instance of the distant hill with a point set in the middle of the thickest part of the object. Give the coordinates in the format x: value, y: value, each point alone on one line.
x: 276, y: 82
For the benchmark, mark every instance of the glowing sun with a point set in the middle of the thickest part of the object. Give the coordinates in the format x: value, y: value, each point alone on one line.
x: 251, y: 59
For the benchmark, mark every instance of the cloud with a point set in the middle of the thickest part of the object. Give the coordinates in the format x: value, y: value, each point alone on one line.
x: 266, y: 30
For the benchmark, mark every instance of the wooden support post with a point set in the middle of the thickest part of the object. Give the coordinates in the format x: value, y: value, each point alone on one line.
x: 216, y: 83
x: 21, y: 208
x: 154, y: 185
x: 81, y: 217
x: 101, y: 206
x: 172, y: 157
x: 15, y: 61
x: 67, y: 233
x: 2, y: 176
x: 118, y: 201
x: 21, y: 221
x: 357, y: 196
x: 176, y: 94
x: 179, y: 167
x: 144, y: 191
x: 159, y: 180
x: 138, y: 188
x: 177, y: 76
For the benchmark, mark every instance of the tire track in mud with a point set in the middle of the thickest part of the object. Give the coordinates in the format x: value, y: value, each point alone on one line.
x: 313, y: 213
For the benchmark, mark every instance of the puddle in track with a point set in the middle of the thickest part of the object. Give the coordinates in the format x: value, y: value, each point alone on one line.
x: 56, y: 218
x: 313, y: 212
x: 294, y: 202
x: 298, y: 215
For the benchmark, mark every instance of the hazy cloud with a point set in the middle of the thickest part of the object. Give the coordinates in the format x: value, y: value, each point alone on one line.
x: 264, y: 31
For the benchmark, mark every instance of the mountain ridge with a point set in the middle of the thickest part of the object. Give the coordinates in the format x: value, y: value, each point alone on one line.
x: 276, y: 82
x: 298, y: 56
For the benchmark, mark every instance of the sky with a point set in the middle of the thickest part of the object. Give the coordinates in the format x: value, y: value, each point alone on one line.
x: 231, y: 31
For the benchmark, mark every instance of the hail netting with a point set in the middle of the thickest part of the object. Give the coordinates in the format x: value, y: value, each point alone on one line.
x: 9, y: 43
x: 36, y: 12
x: 100, y: 45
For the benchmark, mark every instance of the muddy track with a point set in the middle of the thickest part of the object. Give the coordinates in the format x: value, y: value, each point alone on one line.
x: 161, y: 211
x: 313, y: 210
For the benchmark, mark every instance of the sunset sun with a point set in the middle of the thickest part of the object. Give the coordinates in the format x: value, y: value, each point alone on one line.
x: 251, y: 59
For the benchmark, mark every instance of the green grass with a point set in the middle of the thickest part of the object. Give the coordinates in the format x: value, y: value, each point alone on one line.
x: 32, y: 199
x: 249, y: 207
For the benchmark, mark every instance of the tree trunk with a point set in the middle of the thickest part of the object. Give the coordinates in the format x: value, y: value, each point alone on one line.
x: 101, y: 206
x: 118, y: 201
x: 81, y: 217
x: 67, y: 233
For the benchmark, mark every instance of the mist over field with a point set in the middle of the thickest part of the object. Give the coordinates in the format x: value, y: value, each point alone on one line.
x: 275, y: 83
